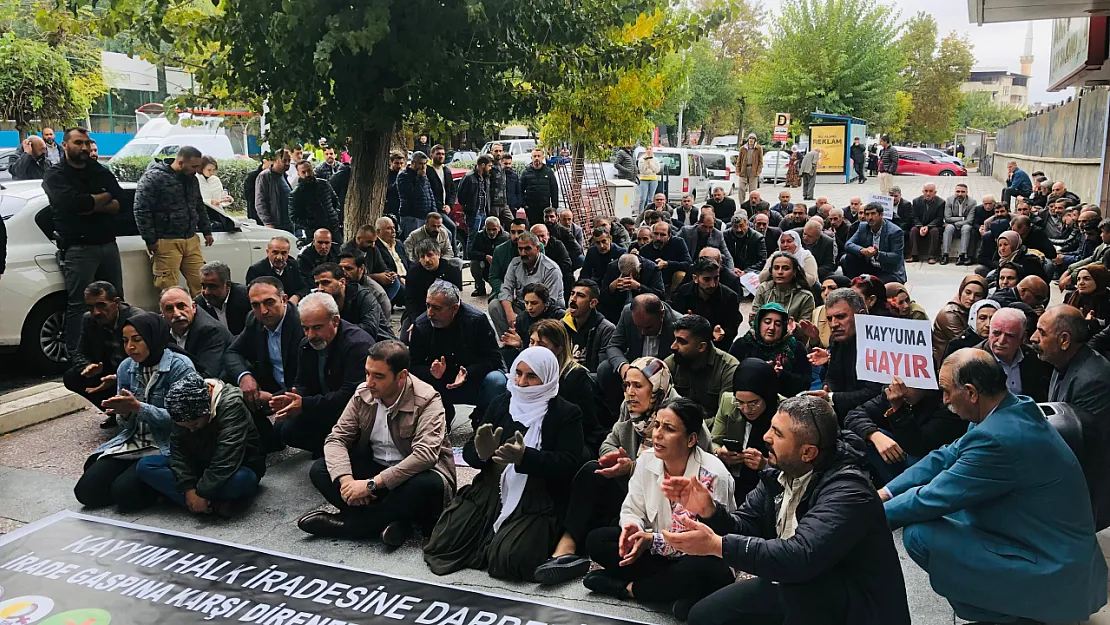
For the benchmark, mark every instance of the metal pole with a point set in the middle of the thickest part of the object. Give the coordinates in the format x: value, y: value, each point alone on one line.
x: 778, y: 161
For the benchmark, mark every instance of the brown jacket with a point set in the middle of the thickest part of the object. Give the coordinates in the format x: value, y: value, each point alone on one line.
x: 949, y: 323
x: 742, y: 160
x: 416, y: 423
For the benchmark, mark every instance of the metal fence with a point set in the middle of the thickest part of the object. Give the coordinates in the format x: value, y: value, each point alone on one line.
x: 588, y: 198
x: 1075, y: 129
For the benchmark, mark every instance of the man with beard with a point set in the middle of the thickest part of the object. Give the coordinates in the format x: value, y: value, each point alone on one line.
x: 418, y: 203
x: 530, y: 265
x: 482, y: 247
x: 392, y: 197
x: 504, y: 254
x: 322, y: 251
x: 669, y: 254
x: 556, y: 251
x: 839, y: 229
x: 539, y: 187
x: 328, y: 168
x: 330, y: 365
x: 356, y: 305
x: 498, y: 191
x: 200, y: 335
x: 564, y: 235
x: 428, y: 268
x: 355, y: 269
x: 723, y: 206
x: 454, y: 349
x: 797, y: 218
x: 92, y: 372
x: 700, y: 371
x: 474, y: 198
x: 512, y: 182
x: 314, y: 205
x: 1006, y: 341
x: 842, y: 389
x: 225, y: 300
x: 393, y: 255
x: 443, y: 188
x: 706, y: 297
x: 271, y: 194
x: 31, y: 165
x: 754, y: 204
x: 276, y: 265
x: 589, y: 331
x: 54, y: 152
x: 599, y: 255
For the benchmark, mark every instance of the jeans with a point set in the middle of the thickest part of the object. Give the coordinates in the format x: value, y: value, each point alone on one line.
x: 410, y: 225
x: 155, y: 471
x: 84, y: 264
x: 174, y: 255
x: 967, y: 231
x: 809, y: 181
x: 852, y: 266
x: 887, y: 472
x: 646, y: 194
x: 418, y: 499
x: 474, y: 225
x: 450, y: 225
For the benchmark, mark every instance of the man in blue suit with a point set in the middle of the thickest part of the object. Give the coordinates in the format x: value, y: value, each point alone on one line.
x: 875, y: 247
x: 1000, y: 518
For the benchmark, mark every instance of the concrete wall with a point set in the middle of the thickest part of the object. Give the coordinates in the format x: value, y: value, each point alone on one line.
x: 1081, y: 175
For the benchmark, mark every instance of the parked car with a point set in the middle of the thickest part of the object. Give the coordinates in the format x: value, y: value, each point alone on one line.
x: 463, y: 156
x: 730, y: 142
x: 914, y: 161
x: 775, y: 164
x: 942, y: 156
x: 721, y: 167
x: 519, y: 149
x: 683, y: 171
x: 161, y: 139
x: 32, y: 293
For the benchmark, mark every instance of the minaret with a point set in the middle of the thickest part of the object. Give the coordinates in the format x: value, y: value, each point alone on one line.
x: 1027, y: 58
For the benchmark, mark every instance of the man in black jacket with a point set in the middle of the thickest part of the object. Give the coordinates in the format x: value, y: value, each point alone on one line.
x: 749, y: 252
x: 723, y: 206
x: 821, y: 245
x: 273, y: 328
x: 428, y: 268
x: 669, y: 253
x: 1008, y: 342
x: 84, y: 198
x: 706, y: 296
x: 813, y: 532
x: 249, y: 182
x: 626, y: 278
x: 645, y: 328
x: 453, y: 348
x: 513, y: 193
x: 859, y: 159
x: 392, y: 197
x: 771, y: 234
x: 754, y: 204
x: 538, y: 187
x: 31, y: 165
x: 589, y: 331
x: 313, y: 205
x: 356, y: 304
x: 1033, y: 237
x: 200, y: 335
x: 482, y: 244
x: 565, y: 235
x: 902, y: 215
x: 443, y: 187
x: 474, y: 197
x: 276, y: 265
x: 92, y: 372
x: 225, y: 300
x: 599, y: 255
x: 330, y: 364
x: 321, y: 251
x: 842, y: 388
x: 555, y: 250
x: 928, y: 225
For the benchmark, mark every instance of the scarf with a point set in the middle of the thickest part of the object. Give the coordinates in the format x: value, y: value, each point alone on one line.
x: 974, y: 312
x: 780, y: 352
x: 659, y: 376
x: 802, y: 252
x: 1014, y: 239
x: 528, y: 407
x: 156, y: 334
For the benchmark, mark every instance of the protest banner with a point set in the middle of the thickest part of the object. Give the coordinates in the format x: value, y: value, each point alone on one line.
x: 83, y: 570
x: 885, y: 200
x: 888, y: 347
x: 750, y: 280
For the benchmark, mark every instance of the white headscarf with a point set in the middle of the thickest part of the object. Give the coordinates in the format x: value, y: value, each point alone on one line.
x: 802, y: 252
x: 528, y: 407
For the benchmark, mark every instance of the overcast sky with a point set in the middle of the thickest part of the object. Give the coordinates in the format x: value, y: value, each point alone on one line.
x: 995, y: 45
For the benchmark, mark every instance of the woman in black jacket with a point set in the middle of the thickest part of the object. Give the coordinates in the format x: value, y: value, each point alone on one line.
x: 527, y: 446
x: 743, y: 417
x: 770, y: 342
x: 575, y: 383
x: 538, y: 305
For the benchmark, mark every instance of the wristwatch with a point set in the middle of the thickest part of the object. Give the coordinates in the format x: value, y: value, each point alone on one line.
x: 370, y: 486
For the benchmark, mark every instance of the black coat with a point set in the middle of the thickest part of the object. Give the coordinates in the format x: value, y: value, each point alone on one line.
x: 842, y: 539
x: 248, y: 193
x: 597, y: 263
x: 566, y: 236
x: 249, y: 353
x: 29, y: 167
x: 579, y: 388
x: 467, y: 342
x: 512, y: 189
x: 791, y: 382
x: 291, y: 279
x: 771, y: 239
x: 94, y: 345
x: 724, y: 209
x: 1037, y: 239
x: 309, y: 259
x: 467, y: 194
x: 822, y: 252
x: 627, y: 341
x: 840, y: 377
x: 721, y: 309
x: 361, y: 309
x: 928, y: 213
x: 344, y: 370
x: 419, y: 279
x: 675, y: 252
x: 749, y: 252
x: 919, y: 429
x: 339, y: 182
x: 314, y: 205
x: 481, y: 245
x: 444, y: 192
x: 392, y: 196
x: 613, y: 302
x: 539, y: 188
x: 206, y: 343
x: 238, y: 307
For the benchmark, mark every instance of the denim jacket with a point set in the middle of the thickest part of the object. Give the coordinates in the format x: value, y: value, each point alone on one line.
x: 171, y: 368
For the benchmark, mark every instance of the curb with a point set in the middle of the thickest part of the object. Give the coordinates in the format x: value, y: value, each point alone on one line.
x: 35, y: 404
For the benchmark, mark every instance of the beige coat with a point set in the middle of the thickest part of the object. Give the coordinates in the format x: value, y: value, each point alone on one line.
x: 417, y: 425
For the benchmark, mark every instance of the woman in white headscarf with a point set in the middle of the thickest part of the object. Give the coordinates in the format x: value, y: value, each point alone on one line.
x: 528, y: 446
x: 791, y: 243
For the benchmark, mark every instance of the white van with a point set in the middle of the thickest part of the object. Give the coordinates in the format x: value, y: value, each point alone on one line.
x: 683, y: 171
x: 519, y: 149
x: 721, y: 167
x: 161, y: 139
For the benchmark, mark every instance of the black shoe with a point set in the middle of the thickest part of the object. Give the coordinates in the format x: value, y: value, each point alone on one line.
x: 561, y: 569
x: 963, y: 260
x: 230, y: 508
x: 603, y: 583
x: 396, y: 533
x: 109, y: 422
x: 681, y: 608
x: 913, y: 259
x: 324, y: 524
x: 944, y: 259
x: 478, y: 293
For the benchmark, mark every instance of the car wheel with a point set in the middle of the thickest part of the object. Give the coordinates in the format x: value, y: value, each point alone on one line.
x: 947, y: 172
x: 42, y: 344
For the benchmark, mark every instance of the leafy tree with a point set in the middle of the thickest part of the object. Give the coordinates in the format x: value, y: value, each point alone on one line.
x: 358, y: 69
x: 704, y: 85
x: 838, y: 56
x: 977, y: 110
x: 932, y: 77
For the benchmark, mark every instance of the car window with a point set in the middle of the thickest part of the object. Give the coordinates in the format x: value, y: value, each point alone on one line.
x: 713, y: 161
x: 137, y: 149
x: 670, y: 163
x: 10, y: 205
x: 169, y: 150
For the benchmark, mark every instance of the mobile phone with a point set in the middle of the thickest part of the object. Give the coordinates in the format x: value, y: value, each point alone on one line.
x: 733, y: 445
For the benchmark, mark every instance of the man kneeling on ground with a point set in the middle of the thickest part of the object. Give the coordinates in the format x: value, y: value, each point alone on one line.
x: 216, y: 458
x: 388, y: 462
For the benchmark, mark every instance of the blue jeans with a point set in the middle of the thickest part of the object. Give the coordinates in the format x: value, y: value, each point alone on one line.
x: 410, y: 225
x: 156, y: 472
x: 647, y: 195
x: 474, y: 225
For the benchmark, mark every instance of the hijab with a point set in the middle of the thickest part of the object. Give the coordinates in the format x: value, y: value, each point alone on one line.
x: 1099, y: 301
x: 1014, y: 239
x: 156, y: 334
x: 968, y: 279
x: 528, y: 407
x: 802, y: 252
x: 659, y: 376
x: 757, y: 376
x: 780, y: 352
x: 971, y: 316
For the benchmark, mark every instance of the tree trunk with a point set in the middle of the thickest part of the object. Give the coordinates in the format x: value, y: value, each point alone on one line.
x: 369, y: 175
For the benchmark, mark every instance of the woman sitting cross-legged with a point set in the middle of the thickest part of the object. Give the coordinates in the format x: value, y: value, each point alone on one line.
x: 600, y: 485
x: 538, y: 305
x: 637, y: 562
x: 575, y: 383
x: 527, y: 445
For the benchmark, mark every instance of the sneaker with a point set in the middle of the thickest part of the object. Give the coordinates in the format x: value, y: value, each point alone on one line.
x: 605, y: 584
x: 561, y: 569
x: 396, y: 533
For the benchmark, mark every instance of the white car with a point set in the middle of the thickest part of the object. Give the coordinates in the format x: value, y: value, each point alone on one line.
x: 775, y: 164
x: 32, y: 291
x: 942, y: 156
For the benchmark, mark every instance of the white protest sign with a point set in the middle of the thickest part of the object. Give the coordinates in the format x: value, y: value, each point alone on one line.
x: 885, y: 200
x: 888, y: 347
x: 750, y: 280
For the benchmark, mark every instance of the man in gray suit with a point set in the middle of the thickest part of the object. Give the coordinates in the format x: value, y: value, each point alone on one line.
x: 706, y: 234
x: 645, y: 328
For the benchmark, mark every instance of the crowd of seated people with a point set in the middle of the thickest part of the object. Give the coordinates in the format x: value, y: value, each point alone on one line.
x: 627, y: 418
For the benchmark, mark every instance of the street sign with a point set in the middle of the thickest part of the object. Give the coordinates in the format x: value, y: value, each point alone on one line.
x: 782, y: 127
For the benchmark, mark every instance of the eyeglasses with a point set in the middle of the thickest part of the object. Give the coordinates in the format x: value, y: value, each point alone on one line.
x: 751, y: 405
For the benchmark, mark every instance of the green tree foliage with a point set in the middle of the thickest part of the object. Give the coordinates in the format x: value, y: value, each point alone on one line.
x: 932, y: 77
x: 705, y: 85
x: 838, y: 56
x: 977, y: 110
